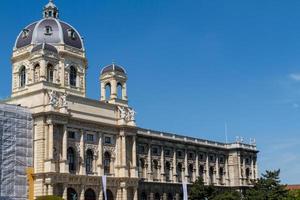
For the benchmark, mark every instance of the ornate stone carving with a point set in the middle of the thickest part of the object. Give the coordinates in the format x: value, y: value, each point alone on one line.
x: 57, y: 100
x: 127, y: 114
x: 110, y: 149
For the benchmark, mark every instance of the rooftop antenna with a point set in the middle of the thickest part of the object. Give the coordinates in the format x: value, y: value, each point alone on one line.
x: 226, y: 137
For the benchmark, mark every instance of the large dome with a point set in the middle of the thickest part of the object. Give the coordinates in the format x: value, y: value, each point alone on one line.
x: 49, y: 30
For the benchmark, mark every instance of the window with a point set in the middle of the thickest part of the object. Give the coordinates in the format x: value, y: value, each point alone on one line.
x: 247, y: 161
x: 179, y: 153
x: 90, y: 137
x: 155, y: 170
x: 221, y: 159
x: 191, y: 155
x: 168, y: 170
x: 190, y: 172
x: 107, y: 160
x: 201, y: 156
x: 36, y: 73
x: 107, y: 140
x: 48, y: 30
x: 247, y: 173
x: 25, y: 33
x: 211, y: 158
x: 179, y: 172
x: 22, y: 76
x: 89, y: 161
x: 167, y: 152
x: 119, y: 91
x: 50, y: 73
x: 73, y: 76
x: 71, y: 134
x: 155, y: 151
x: 72, y: 34
x: 201, y: 170
x: 141, y: 149
x: 107, y: 91
x: 71, y: 160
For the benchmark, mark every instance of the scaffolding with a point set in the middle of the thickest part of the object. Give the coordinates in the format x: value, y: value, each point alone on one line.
x: 16, y: 152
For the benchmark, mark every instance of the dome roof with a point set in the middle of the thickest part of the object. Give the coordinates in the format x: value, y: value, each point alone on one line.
x: 49, y: 30
x: 113, y: 68
x: 44, y: 46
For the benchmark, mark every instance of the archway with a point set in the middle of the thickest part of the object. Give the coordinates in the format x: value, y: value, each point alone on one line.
x: 72, y: 194
x: 109, y: 195
x: 89, y: 194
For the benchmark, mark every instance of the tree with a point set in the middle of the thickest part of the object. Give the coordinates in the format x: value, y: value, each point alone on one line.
x: 267, y: 187
x: 199, y: 191
x: 228, y: 195
x: 49, y: 197
x: 293, y: 195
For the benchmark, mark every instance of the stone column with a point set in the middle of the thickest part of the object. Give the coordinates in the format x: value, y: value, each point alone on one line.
x: 43, y: 71
x: 162, y: 164
x: 100, y: 197
x: 100, y: 153
x: 113, y: 94
x: 239, y: 170
x: 64, y: 163
x: 227, y: 171
x: 50, y: 141
x: 81, y: 197
x: 124, y: 193
x: 207, y: 170
x: 149, y: 163
x: 124, y: 92
x: 174, y: 167
x: 197, y: 167
x: 135, y: 193
x: 46, y: 129
x: 134, y: 154
x: 65, y: 191
x: 82, y: 153
x: 217, y: 178
x: 186, y: 173
x: 124, y: 150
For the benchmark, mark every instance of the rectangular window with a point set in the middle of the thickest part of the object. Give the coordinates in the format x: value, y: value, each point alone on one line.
x: 191, y: 155
x: 154, y: 150
x: 71, y: 134
x: 107, y: 140
x: 141, y: 149
x: 179, y: 153
x: 90, y: 137
x: 167, y: 152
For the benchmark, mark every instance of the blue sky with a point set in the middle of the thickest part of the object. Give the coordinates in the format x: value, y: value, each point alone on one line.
x: 192, y: 65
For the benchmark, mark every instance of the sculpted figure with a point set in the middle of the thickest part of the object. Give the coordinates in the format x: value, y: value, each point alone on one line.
x: 122, y: 112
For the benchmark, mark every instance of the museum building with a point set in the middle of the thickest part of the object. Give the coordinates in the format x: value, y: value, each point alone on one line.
x: 77, y: 140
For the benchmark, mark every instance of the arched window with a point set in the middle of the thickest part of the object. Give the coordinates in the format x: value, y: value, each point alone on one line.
x: 170, y: 196
x: 167, y: 170
x: 107, y: 91
x: 50, y: 73
x: 247, y: 173
x: 73, y: 76
x: 143, y: 196
x: 201, y: 171
x: 141, y: 168
x: 22, y: 76
x: 107, y: 161
x: 89, y: 194
x: 190, y: 172
x: 211, y: 175
x: 36, y: 75
x: 221, y: 173
x: 120, y: 91
x: 71, y: 194
x: 71, y: 160
x: 109, y: 195
x: 155, y: 170
x: 179, y: 172
x: 157, y: 196
x: 89, y: 161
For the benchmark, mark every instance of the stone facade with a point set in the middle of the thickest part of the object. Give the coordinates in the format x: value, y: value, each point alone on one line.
x: 77, y: 140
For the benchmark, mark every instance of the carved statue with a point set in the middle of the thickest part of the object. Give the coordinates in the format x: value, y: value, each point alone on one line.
x: 64, y: 100
x: 53, y: 98
x: 131, y: 114
x: 123, y: 112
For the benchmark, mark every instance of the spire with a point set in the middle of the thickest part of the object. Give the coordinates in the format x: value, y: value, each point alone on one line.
x: 50, y: 10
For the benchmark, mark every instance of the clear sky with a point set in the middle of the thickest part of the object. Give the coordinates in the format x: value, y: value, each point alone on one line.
x: 192, y: 65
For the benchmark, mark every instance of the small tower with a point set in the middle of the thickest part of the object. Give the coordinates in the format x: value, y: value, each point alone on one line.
x: 50, y: 10
x: 113, y: 85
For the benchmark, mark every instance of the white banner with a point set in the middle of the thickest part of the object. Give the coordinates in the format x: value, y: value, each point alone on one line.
x: 185, y: 192
x: 104, y: 187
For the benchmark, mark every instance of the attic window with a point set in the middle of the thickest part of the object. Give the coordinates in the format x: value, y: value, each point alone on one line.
x: 25, y: 33
x: 72, y: 34
x: 48, y: 30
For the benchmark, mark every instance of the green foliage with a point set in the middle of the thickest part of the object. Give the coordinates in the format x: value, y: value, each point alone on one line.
x: 293, y: 195
x: 268, y: 187
x: 227, y: 195
x: 49, y: 198
x: 199, y: 191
